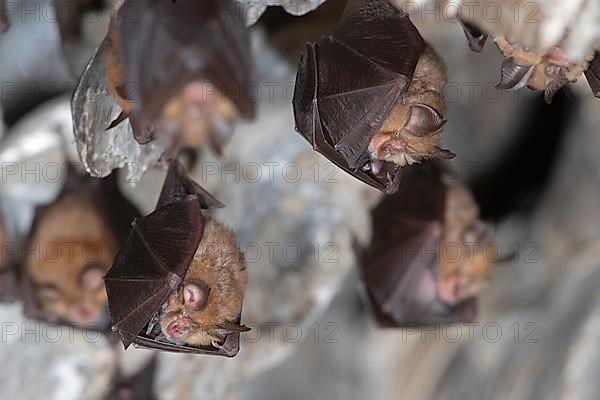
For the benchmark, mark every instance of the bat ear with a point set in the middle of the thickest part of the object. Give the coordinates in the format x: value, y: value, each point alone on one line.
x: 514, y: 76
x: 424, y: 120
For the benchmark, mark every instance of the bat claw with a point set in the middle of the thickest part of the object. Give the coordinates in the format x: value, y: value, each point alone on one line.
x: 514, y: 76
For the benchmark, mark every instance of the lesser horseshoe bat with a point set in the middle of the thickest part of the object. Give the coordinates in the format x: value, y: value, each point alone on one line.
x: 369, y: 96
x: 186, y: 272
x: 71, y: 248
x: 209, y: 302
x: 548, y: 72
x: 180, y: 69
x: 425, y: 263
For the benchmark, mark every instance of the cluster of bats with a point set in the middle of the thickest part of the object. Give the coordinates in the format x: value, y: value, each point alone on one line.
x: 369, y: 97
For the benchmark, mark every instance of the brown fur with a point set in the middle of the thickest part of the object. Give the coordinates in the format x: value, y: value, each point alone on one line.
x: 69, y: 237
x: 191, y: 114
x: 463, y: 276
x: 397, y: 140
x: 548, y: 66
x: 219, y: 263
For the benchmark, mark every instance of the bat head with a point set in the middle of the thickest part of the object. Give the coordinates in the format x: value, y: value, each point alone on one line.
x: 204, y: 310
x: 417, y: 139
x: 464, y: 265
x: 70, y: 250
x: 412, y: 131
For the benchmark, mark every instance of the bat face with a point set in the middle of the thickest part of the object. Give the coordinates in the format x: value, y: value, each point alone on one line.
x: 548, y: 72
x: 204, y: 310
x: 411, y: 273
x: 464, y: 272
x: 74, y: 248
x: 180, y: 68
x: 412, y: 131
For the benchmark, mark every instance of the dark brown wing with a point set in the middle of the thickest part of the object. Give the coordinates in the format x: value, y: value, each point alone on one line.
x: 347, y: 84
x: 153, y: 263
x: 178, y: 185
x: 475, y: 37
x: 592, y: 74
x: 166, y: 44
x: 4, y: 22
x: 230, y: 348
x: 400, y: 265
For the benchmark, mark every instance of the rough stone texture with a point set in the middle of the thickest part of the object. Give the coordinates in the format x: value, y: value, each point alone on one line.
x: 50, y: 362
x: 535, y: 23
x: 34, y: 160
x: 255, y: 8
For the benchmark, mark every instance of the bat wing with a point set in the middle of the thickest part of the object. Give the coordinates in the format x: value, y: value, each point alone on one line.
x: 167, y: 44
x: 592, y: 74
x: 475, y: 37
x: 153, y: 263
x: 178, y: 185
x: 347, y: 84
x: 230, y: 348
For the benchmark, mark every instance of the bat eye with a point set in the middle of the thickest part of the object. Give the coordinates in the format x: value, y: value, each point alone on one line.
x: 424, y: 120
x: 195, y: 295
x: 48, y: 293
x: 92, y: 277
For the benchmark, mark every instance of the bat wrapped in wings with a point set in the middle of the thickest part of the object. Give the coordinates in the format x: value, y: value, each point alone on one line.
x: 180, y: 68
x: 369, y: 96
x: 71, y: 245
x: 178, y: 284
x: 426, y: 262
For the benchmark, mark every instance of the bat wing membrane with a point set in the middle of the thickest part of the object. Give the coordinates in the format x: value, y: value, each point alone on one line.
x: 154, y: 261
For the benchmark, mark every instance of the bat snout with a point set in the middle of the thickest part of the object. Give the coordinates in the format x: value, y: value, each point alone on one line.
x: 179, y: 329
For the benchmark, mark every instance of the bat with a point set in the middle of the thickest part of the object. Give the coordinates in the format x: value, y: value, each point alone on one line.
x: 178, y: 283
x: 4, y: 21
x: 138, y: 386
x: 71, y: 246
x: 592, y: 74
x: 408, y: 276
x: 547, y: 72
x: 476, y: 38
x: 181, y: 68
x: 369, y: 96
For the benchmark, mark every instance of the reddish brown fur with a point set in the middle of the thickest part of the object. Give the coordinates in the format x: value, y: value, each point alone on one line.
x: 218, y: 263
x: 397, y: 140
x: 192, y: 113
x: 555, y: 62
x: 71, y: 223
x: 462, y: 275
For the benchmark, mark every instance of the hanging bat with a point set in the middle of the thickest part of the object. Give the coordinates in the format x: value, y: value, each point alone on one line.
x: 70, y: 247
x: 4, y: 21
x: 369, y: 96
x: 138, y: 386
x: 180, y: 68
x: 548, y: 72
x: 178, y: 284
x: 409, y: 277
